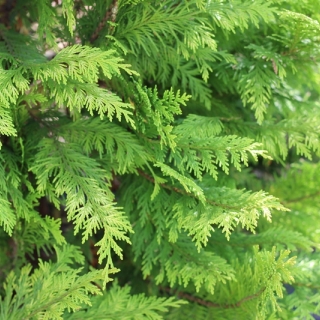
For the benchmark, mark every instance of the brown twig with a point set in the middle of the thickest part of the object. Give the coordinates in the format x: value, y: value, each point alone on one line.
x: 210, y: 304
x: 177, y: 190
x: 111, y: 15
x: 302, y: 198
x: 306, y: 285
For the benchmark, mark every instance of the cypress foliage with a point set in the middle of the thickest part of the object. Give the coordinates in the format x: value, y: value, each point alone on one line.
x: 159, y: 159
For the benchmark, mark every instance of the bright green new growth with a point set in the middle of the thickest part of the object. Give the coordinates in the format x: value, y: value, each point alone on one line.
x: 169, y: 146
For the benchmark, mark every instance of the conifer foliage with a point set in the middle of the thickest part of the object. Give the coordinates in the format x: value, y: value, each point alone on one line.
x: 159, y: 159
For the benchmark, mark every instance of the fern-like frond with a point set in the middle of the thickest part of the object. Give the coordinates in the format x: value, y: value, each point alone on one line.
x: 111, y: 141
x: 199, y: 155
x: 89, y: 202
x: 155, y: 115
x: 238, y: 14
x: 244, y: 209
x: 255, y: 89
x: 50, y: 289
x: 118, y: 303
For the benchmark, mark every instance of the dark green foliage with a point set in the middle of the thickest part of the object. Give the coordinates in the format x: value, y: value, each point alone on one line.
x: 169, y: 146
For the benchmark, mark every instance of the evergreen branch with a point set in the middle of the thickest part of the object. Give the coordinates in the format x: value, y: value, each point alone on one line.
x: 56, y: 300
x: 67, y: 289
x: 274, y: 236
x: 125, y: 306
x: 111, y: 13
x: 89, y: 202
x: 113, y: 142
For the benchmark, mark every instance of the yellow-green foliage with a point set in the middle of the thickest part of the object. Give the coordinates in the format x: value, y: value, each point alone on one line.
x: 170, y: 146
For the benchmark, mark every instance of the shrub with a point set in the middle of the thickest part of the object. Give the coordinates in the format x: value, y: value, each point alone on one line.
x: 170, y: 146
